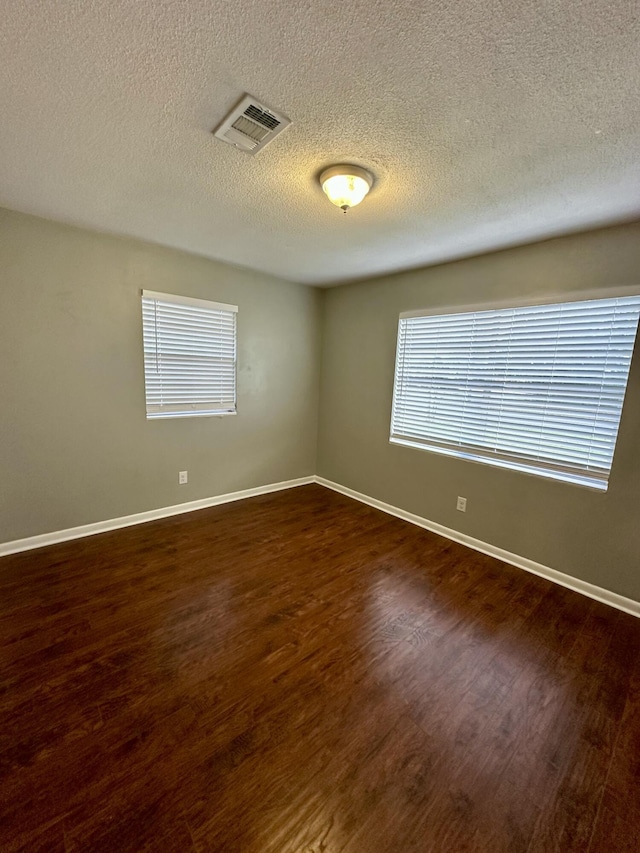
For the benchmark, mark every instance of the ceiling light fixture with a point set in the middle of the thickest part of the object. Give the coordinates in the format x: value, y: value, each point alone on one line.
x: 346, y: 185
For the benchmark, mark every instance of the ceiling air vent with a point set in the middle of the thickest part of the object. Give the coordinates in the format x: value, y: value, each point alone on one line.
x: 251, y: 125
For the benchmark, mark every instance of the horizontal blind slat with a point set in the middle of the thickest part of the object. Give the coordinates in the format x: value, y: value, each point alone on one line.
x: 189, y: 357
x: 543, y: 382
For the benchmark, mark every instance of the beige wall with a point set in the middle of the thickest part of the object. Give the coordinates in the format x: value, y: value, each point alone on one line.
x: 586, y: 534
x: 75, y: 445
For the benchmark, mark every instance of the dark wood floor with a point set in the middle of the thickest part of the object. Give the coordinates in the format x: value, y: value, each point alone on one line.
x: 299, y: 673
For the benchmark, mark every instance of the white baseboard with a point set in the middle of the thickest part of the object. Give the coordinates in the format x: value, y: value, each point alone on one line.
x: 628, y: 605
x: 140, y: 517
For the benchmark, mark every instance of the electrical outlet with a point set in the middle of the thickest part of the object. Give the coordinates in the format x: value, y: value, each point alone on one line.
x: 462, y: 504
x: 183, y: 477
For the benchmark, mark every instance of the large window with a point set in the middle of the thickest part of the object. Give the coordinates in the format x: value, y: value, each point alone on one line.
x: 189, y: 356
x: 537, y: 389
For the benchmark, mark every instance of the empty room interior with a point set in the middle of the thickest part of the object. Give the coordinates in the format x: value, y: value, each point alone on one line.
x: 319, y: 441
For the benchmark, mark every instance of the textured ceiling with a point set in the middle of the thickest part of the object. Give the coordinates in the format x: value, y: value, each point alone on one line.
x: 486, y: 123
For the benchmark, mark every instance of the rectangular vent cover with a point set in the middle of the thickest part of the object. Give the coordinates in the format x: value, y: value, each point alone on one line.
x: 250, y: 125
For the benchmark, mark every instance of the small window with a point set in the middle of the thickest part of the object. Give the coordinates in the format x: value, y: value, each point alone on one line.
x: 189, y: 356
x: 537, y: 389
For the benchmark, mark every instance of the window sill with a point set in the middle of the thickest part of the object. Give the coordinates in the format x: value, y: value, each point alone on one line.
x: 585, y: 481
x: 165, y: 416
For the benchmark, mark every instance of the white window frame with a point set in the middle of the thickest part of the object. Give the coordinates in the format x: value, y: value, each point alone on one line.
x: 159, y: 408
x: 496, y: 459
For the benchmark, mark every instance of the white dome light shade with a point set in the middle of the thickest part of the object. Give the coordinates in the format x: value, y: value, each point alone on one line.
x: 346, y: 186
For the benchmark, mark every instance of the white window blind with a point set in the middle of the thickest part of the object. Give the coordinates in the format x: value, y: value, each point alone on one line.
x: 539, y: 389
x: 189, y: 356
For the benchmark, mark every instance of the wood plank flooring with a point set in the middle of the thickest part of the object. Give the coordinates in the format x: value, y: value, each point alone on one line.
x: 299, y: 673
